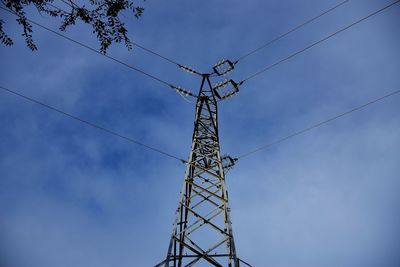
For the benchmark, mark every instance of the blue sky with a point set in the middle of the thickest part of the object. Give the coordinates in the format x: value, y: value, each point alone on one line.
x: 71, y: 195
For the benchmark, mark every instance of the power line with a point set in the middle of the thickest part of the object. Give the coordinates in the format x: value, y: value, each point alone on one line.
x: 133, y: 43
x: 319, y: 41
x: 156, y: 54
x: 101, y: 128
x: 181, y: 66
x: 318, y: 124
x: 96, y: 51
x: 290, y: 31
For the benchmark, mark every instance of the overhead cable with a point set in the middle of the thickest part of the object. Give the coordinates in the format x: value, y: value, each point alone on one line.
x: 91, y: 124
x: 290, y: 31
x: 96, y: 51
x: 137, y: 44
x: 318, y: 124
x: 319, y: 41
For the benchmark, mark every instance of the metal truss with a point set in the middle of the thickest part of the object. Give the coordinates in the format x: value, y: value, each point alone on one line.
x: 202, y: 232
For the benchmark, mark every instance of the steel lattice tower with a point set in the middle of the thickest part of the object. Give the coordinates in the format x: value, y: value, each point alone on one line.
x: 202, y: 231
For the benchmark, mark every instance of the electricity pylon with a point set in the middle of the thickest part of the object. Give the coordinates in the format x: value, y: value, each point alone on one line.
x: 202, y: 231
